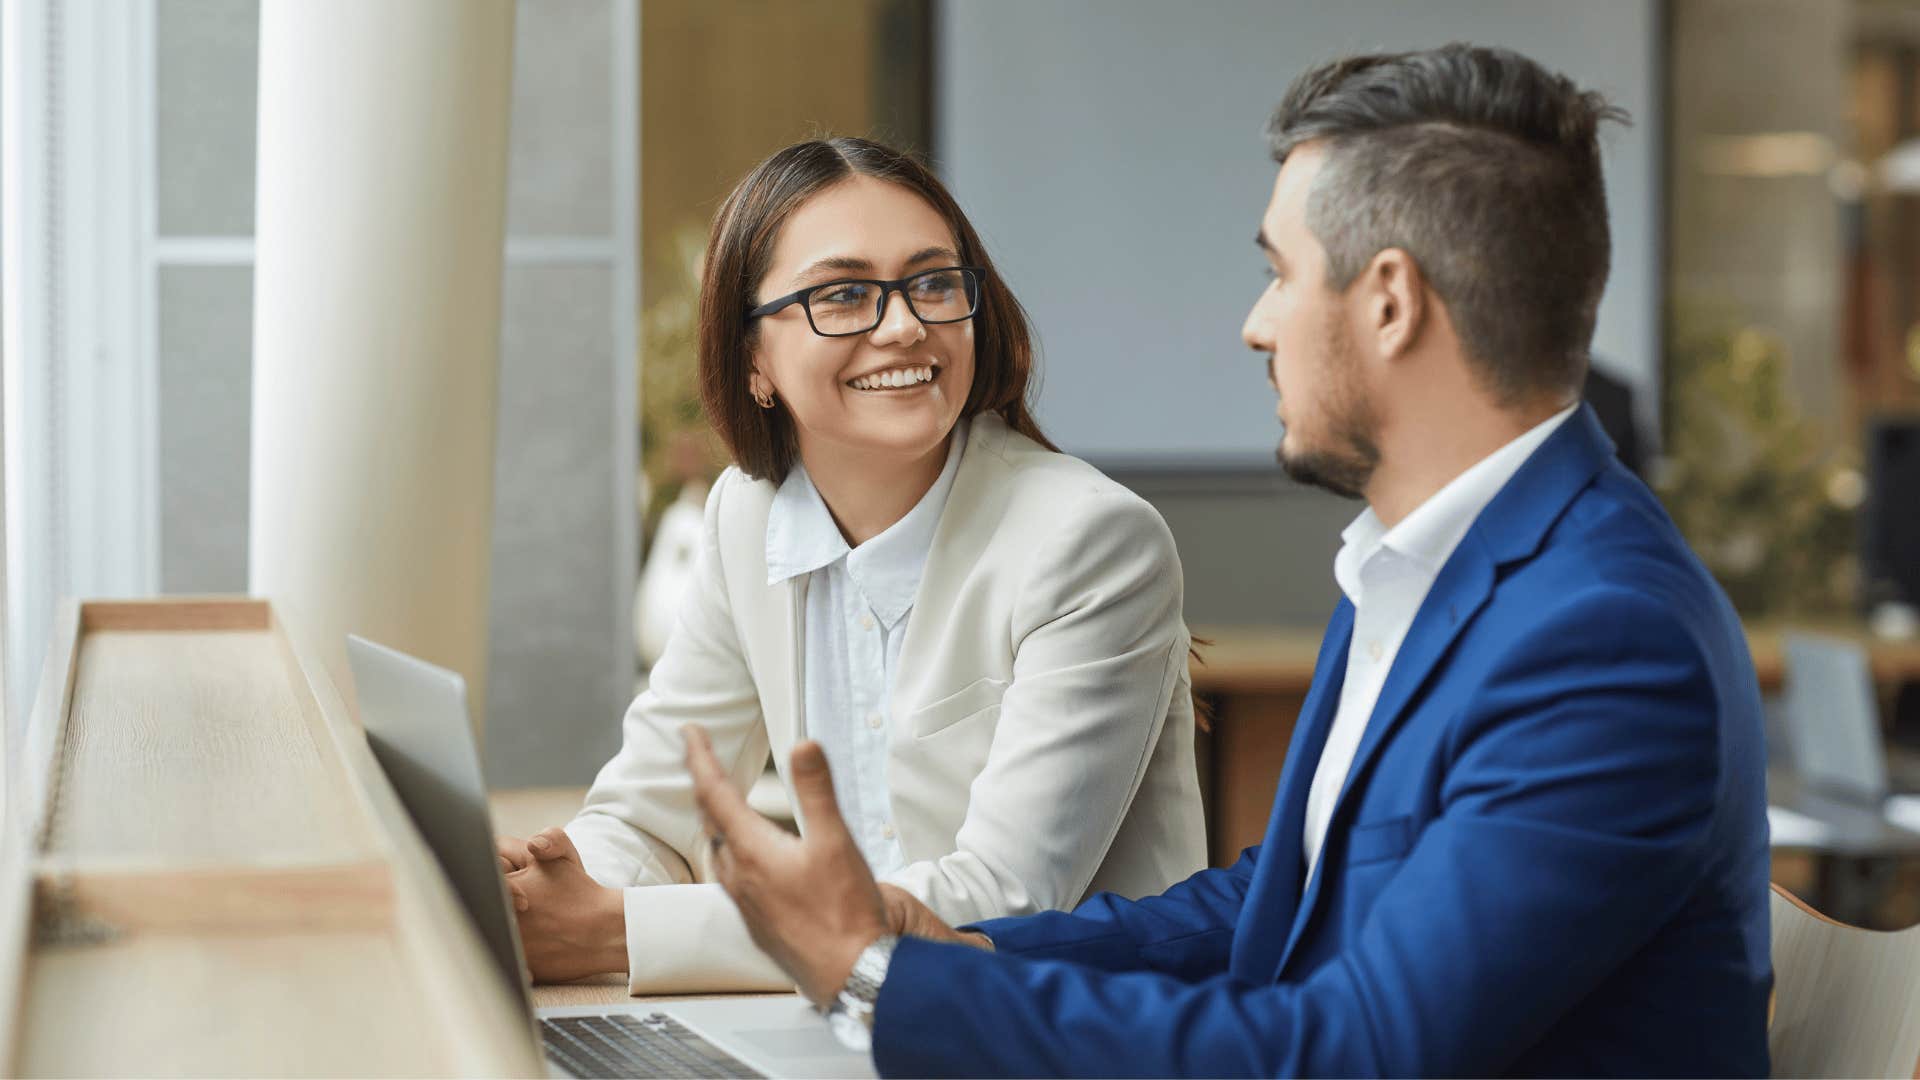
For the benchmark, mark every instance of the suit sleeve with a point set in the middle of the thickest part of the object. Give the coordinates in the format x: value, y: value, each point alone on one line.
x: 1186, y: 931
x: 639, y: 829
x: 1100, y: 649
x: 1575, y: 818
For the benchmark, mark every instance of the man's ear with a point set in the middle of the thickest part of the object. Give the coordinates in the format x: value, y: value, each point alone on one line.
x: 1395, y: 298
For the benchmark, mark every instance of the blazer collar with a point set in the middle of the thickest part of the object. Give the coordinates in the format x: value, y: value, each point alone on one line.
x: 1517, y: 521
x: 802, y: 537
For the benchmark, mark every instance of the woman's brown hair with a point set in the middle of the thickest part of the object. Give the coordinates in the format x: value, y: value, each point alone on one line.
x: 740, y: 250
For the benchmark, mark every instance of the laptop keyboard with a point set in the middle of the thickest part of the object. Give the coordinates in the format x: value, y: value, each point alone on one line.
x: 623, y: 1044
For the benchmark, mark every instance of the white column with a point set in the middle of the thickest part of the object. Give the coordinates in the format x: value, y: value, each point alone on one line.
x: 381, y: 216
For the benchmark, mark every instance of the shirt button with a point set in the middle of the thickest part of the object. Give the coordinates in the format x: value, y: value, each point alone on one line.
x: 874, y: 720
x: 1373, y: 649
x: 887, y: 831
x: 866, y: 622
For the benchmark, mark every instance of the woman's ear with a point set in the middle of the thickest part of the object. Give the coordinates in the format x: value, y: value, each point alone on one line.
x: 760, y: 387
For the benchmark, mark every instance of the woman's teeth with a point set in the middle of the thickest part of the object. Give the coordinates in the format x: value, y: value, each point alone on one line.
x: 893, y: 380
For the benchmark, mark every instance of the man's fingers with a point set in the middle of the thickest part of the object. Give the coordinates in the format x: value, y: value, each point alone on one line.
x: 520, y: 901
x: 723, y: 806
x: 553, y: 843
x: 813, y: 792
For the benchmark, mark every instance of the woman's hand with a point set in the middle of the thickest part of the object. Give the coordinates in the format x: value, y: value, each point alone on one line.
x: 571, y: 926
x: 513, y: 853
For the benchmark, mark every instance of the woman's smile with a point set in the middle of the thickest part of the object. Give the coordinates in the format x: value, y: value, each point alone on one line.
x: 898, y: 379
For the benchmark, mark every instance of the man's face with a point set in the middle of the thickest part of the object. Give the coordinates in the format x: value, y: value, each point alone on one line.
x: 1329, y: 436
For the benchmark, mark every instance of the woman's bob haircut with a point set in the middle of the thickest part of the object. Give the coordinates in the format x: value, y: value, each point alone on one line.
x: 739, y: 251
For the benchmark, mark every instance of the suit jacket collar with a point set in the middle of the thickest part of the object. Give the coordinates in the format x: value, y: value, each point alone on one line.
x: 1511, y: 528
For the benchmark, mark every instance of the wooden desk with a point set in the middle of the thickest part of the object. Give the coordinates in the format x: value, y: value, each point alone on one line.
x: 1256, y: 678
x: 205, y: 872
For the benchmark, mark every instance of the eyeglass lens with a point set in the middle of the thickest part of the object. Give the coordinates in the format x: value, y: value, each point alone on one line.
x: 853, y: 307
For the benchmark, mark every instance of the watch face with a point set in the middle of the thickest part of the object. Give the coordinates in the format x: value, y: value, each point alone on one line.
x: 852, y: 1033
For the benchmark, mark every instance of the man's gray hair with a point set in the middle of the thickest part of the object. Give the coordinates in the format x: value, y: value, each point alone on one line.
x: 1485, y: 168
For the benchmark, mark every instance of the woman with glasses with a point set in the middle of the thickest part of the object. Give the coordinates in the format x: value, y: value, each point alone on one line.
x: 984, y: 634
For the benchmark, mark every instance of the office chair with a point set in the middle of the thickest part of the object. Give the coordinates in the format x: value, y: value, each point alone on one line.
x: 1846, y: 999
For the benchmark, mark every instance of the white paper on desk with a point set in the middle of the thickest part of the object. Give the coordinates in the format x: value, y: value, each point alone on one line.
x: 1904, y: 811
x: 1791, y: 828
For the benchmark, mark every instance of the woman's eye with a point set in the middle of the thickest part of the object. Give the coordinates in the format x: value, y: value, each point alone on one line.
x: 841, y: 294
x: 938, y: 285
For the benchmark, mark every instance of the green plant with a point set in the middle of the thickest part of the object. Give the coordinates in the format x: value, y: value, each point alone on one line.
x: 1764, y: 495
x: 676, y: 443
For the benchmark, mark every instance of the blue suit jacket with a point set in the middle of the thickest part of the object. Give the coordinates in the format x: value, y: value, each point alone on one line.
x: 1550, y: 856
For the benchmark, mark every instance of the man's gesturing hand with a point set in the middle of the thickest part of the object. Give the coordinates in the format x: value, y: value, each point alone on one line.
x: 809, y: 901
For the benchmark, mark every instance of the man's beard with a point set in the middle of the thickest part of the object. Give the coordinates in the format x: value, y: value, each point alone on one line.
x: 1345, y: 465
x: 1345, y: 472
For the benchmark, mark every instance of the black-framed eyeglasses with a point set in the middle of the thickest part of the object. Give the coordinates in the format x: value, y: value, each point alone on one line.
x: 850, y: 306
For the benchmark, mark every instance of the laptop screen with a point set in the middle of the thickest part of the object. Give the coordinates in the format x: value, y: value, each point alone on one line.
x: 415, y: 715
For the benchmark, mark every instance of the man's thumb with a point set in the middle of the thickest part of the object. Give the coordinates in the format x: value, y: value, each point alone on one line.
x: 813, y: 790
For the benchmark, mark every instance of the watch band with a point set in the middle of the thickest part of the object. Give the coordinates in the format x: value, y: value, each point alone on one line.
x: 851, y: 1015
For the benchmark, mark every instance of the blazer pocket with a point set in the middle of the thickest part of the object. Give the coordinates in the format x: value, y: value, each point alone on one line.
x: 1380, y: 840
x: 975, y: 698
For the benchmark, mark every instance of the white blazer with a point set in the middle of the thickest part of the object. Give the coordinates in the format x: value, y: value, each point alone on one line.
x: 1042, y: 742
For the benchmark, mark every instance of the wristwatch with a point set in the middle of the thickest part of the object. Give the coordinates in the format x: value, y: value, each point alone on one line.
x: 850, y: 1017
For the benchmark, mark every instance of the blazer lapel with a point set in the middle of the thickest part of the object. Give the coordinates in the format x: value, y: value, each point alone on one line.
x: 770, y: 618
x: 976, y: 505
x: 1510, y: 529
x: 1273, y: 898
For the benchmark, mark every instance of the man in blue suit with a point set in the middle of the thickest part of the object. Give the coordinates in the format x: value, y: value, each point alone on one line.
x: 1521, y: 828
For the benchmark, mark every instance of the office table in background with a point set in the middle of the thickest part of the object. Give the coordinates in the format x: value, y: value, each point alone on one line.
x: 1256, y: 679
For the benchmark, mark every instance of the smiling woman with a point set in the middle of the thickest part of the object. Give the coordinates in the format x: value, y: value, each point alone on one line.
x: 818, y: 222
x: 983, y: 634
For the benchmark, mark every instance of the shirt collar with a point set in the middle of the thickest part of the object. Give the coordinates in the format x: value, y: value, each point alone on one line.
x: 802, y: 538
x: 1429, y: 534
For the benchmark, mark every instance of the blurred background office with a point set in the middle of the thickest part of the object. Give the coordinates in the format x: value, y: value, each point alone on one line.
x: 1757, y: 357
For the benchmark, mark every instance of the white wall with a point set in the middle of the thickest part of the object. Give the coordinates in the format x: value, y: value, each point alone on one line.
x: 1111, y: 154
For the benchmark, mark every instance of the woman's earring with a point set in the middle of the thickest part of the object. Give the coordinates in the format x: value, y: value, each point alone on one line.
x: 764, y: 399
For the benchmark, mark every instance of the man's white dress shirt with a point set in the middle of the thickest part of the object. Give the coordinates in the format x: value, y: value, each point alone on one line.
x: 1386, y: 574
x: 858, y: 602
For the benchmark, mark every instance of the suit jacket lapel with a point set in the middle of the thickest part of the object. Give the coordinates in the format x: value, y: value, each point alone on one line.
x: 1274, y: 895
x: 1510, y: 529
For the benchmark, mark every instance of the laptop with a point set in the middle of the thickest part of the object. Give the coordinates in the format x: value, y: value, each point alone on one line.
x: 415, y: 715
x: 1830, y: 732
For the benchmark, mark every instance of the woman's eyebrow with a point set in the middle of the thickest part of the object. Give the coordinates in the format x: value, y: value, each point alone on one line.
x: 853, y: 263
x: 937, y: 251
x: 858, y: 265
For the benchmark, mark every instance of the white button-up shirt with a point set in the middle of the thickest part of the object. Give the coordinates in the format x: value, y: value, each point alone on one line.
x: 1386, y: 574
x: 858, y: 601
